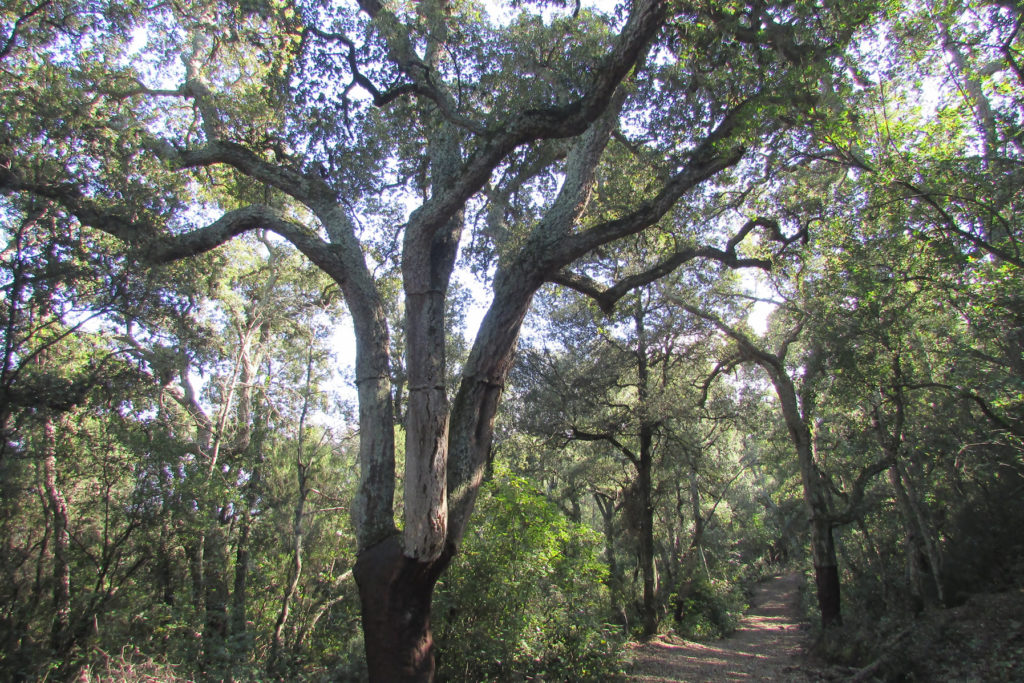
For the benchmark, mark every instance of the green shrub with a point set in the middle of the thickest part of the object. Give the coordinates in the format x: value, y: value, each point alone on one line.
x: 708, y: 609
x: 525, y: 596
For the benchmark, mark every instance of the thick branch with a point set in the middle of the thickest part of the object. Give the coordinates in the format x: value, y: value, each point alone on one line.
x: 985, y: 406
x: 304, y: 187
x: 551, y: 122
x: 580, y: 435
x: 607, y: 297
x: 855, y: 499
x: 155, y: 246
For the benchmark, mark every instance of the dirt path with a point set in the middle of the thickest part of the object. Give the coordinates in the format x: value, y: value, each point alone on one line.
x: 766, y: 647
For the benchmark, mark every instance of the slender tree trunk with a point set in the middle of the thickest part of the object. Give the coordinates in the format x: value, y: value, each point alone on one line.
x: 823, y: 549
x: 606, y: 506
x: 21, y: 646
x: 216, y: 658
x: 295, y: 572
x: 912, y: 541
x: 695, y: 552
x: 165, y: 569
x: 60, y: 630
x: 881, y: 571
x: 298, y: 526
x: 796, y: 411
x: 697, y: 543
x: 645, y: 487
x: 239, y: 595
x: 927, y: 535
x: 646, y: 551
x: 194, y: 551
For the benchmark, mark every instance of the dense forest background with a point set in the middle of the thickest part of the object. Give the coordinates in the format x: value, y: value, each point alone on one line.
x: 747, y: 277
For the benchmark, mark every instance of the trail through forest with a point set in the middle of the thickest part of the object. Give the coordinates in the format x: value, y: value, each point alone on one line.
x: 767, y: 646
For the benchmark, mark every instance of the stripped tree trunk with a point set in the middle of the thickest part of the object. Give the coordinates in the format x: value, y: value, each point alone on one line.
x: 395, y: 593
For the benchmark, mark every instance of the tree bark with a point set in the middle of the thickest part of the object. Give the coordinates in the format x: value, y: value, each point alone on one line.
x: 649, y: 606
x: 239, y: 595
x: 216, y: 660
x: 606, y: 506
x: 295, y: 571
x: 645, y: 487
x: 298, y: 527
x: 395, y: 592
x: 912, y: 541
x: 796, y: 412
x: 823, y: 550
x: 60, y: 629
x: 826, y: 571
x: 926, y: 532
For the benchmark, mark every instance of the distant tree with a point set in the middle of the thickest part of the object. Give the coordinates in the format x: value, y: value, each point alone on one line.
x: 798, y: 399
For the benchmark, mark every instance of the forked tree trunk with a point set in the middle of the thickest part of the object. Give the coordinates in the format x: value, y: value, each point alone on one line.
x: 926, y: 531
x: 395, y: 594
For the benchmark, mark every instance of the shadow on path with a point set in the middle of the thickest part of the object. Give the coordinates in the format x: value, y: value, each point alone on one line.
x: 766, y: 647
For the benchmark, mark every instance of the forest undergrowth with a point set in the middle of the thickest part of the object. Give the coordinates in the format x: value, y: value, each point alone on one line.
x: 980, y: 640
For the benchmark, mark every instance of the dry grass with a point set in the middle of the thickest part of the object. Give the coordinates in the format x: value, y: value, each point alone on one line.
x: 130, y: 666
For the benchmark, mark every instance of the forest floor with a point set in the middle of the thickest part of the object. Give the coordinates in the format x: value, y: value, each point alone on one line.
x: 769, y: 645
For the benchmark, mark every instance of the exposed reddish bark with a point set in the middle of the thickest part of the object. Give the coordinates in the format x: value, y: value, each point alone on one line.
x: 395, y: 593
x: 827, y: 580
